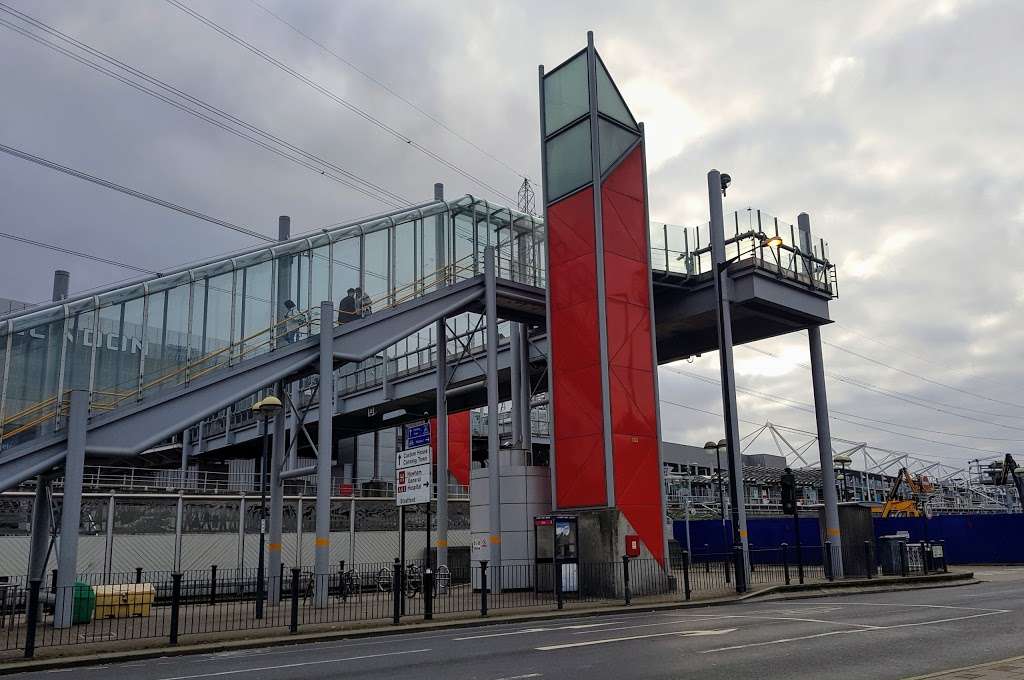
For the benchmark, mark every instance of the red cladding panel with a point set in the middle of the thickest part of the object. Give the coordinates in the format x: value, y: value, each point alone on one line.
x: 575, y: 352
x: 459, y: 445
x: 637, y: 468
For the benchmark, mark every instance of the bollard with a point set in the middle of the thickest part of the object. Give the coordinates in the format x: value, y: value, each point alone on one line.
x: 559, y: 596
x: 737, y: 560
x: 138, y: 574
x: 293, y: 626
x: 686, y: 574
x: 826, y: 559
x: 799, y: 562
x: 53, y: 581
x: 626, y: 580
x: 483, y: 587
x: 428, y: 595
x: 869, y: 559
x: 785, y: 561
x: 396, y: 592
x: 904, y: 560
x: 175, y: 606
x: 213, y: 584
x: 32, y: 617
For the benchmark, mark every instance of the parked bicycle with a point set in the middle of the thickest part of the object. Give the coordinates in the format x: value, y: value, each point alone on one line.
x: 412, y: 583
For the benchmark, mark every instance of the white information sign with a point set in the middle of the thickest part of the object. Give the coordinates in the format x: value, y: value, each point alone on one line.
x: 413, y: 468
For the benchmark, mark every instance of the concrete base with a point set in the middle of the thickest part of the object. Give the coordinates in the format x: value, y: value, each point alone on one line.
x: 525, y: 494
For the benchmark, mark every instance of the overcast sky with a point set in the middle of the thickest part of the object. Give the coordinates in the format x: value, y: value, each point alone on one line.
x: 896, y: 125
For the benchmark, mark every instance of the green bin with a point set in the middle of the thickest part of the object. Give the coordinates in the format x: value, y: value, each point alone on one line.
x: 84, y: 603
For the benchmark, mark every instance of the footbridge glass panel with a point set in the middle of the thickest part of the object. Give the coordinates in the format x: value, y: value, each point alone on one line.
x: 128, y: 342
x: 754, y: 236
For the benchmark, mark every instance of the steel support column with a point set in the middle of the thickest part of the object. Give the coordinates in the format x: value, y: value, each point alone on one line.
x: 277, y: 457
x: 71, y: 507
x: 40, y: 547
x: 493, y: 464
x: 441, y: 338
x: 186, y: 453
x: 828, y: 477
x: 516, y: 371
x: 179, y: 518
x: 442, y: 444
x: 732, y: 430
x: 525, y: 389
x: 325, y: 446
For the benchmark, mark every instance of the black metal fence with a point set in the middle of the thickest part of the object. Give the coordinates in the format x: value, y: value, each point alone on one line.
x: 140, y: 605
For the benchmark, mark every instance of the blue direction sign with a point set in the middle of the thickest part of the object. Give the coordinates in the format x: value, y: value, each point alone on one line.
x: 417, y: 435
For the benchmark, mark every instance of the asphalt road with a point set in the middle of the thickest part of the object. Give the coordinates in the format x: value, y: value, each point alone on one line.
x: 884, y: 635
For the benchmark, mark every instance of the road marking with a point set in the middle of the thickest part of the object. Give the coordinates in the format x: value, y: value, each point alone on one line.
x: 926, y: 606
x: 527, y: 631
x: 680, y: 633
x: 293, y: 665
x: 859, y: 630
x: 522, y: 677
x: 702, y: 617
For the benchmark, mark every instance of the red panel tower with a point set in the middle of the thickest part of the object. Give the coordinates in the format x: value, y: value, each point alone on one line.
x: 606, y: 439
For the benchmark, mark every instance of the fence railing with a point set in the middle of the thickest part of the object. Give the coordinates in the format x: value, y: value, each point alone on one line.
x: 144, y: 605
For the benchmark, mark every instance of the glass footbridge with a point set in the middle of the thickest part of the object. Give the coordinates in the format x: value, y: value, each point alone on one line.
x: 154, y: 337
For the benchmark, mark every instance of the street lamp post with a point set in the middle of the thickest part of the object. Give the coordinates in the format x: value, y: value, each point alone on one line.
x: 842, y: 460
x: 267, y: 407
x: 718, y: 448
x: 717, y: 183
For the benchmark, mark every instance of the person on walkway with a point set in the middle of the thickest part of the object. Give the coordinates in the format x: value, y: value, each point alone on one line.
x: 347, y: 307
x: 294, y: 320
x: 363, y: 302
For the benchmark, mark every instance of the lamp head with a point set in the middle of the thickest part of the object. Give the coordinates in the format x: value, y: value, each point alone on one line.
x: 710, y: 446
x: 770, y: 241
x: 269, y: 406
x: 726, y: 181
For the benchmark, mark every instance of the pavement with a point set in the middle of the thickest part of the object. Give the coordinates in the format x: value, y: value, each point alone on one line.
x: 864, y: 635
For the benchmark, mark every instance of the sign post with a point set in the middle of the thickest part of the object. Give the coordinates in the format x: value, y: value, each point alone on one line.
x: 413, y: 484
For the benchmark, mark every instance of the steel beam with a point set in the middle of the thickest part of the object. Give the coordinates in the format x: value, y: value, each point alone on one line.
x: 442, y: 443
x: 276, y: 502
x: 493, y: 463
x: 71, y: 508
x: 39, y: 550
x: 725, y: 357
x: 828, y: 478
x: 325, y: 439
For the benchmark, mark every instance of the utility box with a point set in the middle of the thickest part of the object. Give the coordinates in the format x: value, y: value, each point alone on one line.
x: 890, y: 554
x: 83, y: 603
x: 124, y: 600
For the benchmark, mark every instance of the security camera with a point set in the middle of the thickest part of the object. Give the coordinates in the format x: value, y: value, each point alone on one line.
x: 726, y: 181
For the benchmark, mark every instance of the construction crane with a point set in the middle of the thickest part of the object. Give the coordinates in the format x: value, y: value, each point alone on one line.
x: 1006, y: 474
x: 897, y: 504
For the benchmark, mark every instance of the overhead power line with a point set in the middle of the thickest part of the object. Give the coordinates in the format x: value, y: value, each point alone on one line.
x: 393, y: 92
x: 921, y: 402
x: 832, y: 414
x: 24, y: 155
x: 835, y: 438
x: 923, y: 359
x: 273, y: 61
x: 76, y: 253
x: 921, y: 377
x: 206, y: 112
